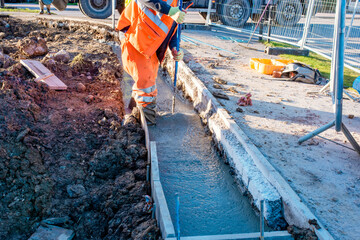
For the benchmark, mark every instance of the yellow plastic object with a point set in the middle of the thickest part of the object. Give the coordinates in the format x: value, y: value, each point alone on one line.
x: 268, y: 66
x: 282, y: 62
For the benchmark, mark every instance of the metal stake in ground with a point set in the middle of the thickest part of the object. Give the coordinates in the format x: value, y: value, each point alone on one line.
x: 176, y: 62
x: 261, y: 17
x: 178, y: 216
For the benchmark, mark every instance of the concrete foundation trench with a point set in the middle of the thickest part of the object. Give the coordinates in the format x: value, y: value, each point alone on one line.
x: 201, y: 155
x: 215, y: 187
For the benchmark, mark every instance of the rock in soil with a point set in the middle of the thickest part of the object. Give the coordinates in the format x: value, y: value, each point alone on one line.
x: 217, y: 86
x: 221, y: 95
x: 219, y: 80
x: 33, y: 46
x: 62, y: 56
x: 57, y: 164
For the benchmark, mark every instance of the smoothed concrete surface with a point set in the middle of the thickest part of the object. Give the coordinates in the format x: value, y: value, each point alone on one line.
x: 210, y: 200
x: 294, y: 210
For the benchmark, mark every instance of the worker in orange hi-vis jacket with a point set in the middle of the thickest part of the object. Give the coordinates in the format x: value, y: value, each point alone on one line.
x: 150, y: 28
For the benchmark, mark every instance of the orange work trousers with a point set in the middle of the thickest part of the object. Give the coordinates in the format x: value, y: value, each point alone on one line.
x: 143, y: 70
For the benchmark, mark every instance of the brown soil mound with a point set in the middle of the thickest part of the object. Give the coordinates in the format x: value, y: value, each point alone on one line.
x: 65, y: 154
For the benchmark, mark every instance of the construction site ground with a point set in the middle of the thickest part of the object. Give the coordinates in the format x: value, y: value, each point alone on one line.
x: 66, y: 159
x: 74, y: 134
x: 325, y: 175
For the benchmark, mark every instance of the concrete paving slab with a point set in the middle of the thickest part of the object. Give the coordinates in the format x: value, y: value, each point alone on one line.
x: 50, y: 232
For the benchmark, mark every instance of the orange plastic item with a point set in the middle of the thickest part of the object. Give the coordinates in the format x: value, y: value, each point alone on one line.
x: 268, y: 66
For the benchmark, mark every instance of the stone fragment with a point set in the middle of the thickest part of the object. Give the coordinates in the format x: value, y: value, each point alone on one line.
x: 56, y: 221
x: 80, y: 87
x: 232, y: 89
x: 239, y: 110
x: 52, y: 232
x: 5, y: 60
x: 62, y: 56
x: 217, y: 86
x: 220, y: 95
x: 76, y: 190
x: 89, y: 99
x: 33, y: 47
x: 22, y: 134
x: 102, y: 122
x: 219, y: 80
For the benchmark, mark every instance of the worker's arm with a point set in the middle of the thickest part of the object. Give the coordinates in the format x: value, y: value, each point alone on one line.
x: 163, y: 7
x: 178, y: 55
x: 157, y: 5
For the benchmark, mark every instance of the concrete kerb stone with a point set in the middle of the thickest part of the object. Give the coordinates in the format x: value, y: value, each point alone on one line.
x: 278, y: 235
x: 162, y: 212
x: 161, y: 208
x: 295, y: 211
x: 191, y: 26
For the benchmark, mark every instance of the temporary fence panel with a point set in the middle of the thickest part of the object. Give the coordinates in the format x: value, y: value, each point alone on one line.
x: 304, y: 23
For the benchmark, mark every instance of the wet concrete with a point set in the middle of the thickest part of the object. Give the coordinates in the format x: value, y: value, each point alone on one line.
x: 211, y: 202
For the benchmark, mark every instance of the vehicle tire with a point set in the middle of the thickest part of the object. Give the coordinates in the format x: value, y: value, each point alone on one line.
x: 255, y: 17
x: 213, y: 16
x: 81, y: 10
x: 288, y: 12
x: 234, y: 12
x: 99, y: 9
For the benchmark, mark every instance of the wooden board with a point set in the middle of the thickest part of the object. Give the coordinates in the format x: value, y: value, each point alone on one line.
x: 43, y: 74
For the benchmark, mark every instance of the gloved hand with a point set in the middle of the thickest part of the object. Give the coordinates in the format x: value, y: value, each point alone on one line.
x: 178, y: 55
x: 177, y: 15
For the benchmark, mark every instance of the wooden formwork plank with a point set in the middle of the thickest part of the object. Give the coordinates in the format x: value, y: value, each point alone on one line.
x: 43, y: 74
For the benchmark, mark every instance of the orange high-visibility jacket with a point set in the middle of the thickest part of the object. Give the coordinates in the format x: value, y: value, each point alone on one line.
x: 146, y: 28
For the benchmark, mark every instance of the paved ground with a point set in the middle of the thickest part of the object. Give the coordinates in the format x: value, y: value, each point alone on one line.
x: 72, y: 11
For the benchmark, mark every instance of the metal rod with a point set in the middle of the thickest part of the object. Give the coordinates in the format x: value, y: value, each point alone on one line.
x: 309, y: 13
x: 316, y: 132
x: 325, y: 87
x: 269, y: 23
x: 350, y: 138
x: 351, y: 24
x: 178, y: 216
x: 262, y: 222
x: 339, y: 78
x: 148, y: 173
x: 113, y: 13
x: 176, y: 62
x: 335, y: 142
x: 261, y: 28
x: 208, y: 14
x: 262, y: 15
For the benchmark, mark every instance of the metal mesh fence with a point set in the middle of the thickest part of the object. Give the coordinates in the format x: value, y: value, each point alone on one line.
x: 304, y: 23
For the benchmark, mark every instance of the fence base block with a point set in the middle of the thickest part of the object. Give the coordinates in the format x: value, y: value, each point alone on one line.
x: 292, y: 51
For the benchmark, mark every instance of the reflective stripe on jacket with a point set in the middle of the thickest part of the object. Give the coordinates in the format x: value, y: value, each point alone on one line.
x: 146, y: 28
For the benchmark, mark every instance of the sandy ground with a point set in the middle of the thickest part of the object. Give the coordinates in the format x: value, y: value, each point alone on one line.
x: 325, y: 175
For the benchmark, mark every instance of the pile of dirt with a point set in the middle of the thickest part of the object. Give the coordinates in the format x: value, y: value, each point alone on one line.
x: 66, y: 158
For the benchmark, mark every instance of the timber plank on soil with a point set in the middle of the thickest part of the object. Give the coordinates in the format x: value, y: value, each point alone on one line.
x: 43, y: 74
